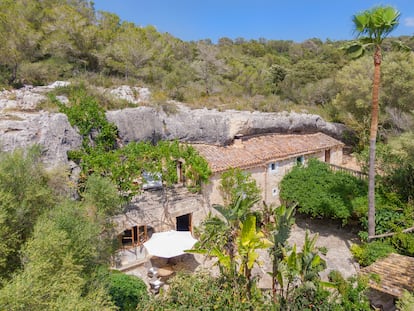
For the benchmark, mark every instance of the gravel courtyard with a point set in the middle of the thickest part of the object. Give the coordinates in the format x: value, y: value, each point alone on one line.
x: 332, y: 235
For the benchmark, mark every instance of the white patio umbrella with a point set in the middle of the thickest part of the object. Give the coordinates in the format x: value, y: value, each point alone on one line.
x: 169, y: 244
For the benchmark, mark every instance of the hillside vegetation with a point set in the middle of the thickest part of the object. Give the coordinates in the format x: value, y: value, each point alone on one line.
x: 43, y: 41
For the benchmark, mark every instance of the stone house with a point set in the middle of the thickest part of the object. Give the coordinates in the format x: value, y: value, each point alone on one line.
x: 267, y: 158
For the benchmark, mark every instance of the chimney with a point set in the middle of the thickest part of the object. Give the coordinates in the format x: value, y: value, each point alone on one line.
x: 238, y: 141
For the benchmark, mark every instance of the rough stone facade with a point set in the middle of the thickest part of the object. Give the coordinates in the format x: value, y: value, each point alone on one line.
x: 159, y: 209
x: 51, y: 131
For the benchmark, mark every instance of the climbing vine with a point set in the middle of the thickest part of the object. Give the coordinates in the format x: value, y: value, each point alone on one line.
x: 124, y: 166
x: 85, y: 113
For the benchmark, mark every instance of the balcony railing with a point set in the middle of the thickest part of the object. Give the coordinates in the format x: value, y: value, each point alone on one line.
x: 358, y: 174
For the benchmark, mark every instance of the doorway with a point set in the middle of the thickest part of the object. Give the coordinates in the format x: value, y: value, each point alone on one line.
x: 184, y: 222
x: 328, y: 156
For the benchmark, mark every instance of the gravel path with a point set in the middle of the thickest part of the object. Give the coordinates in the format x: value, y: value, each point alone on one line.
x: 332, y: 235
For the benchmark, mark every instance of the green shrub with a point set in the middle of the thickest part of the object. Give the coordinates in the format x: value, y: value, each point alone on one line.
x: 351, y: 293
x: 368, y: 253
x: 309, y: 296
x: 391, y: 215
x: 406, y: 302
x: 320, y: 192
x: 46, y: 71
x: 127, y: 291
x: 201, y: 291
x: 235, y: 183
x: 85, y: 113
x: 404, y: 243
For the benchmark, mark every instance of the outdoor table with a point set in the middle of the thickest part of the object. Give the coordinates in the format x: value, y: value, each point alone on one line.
x: 165, y: 271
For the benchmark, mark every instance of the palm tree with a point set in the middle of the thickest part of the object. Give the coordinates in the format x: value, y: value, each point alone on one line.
x: 372, y: 27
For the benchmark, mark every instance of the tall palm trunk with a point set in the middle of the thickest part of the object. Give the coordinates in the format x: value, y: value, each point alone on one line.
x: 372, y: 142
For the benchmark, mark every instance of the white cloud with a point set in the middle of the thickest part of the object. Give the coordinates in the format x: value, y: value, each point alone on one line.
x: 409, y: 21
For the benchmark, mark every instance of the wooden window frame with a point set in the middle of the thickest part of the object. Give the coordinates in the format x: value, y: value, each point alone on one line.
x: 139, y: 235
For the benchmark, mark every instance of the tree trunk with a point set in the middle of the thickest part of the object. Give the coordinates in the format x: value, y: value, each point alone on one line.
x: 372, y: 142
x: 14, y: 74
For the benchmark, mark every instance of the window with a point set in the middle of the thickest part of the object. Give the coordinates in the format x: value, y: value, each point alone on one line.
x: 273, y: 167
x: 180, y: 172
x: 135, y: 236
x: 300, y: 160
x: 275, y: 192
x: 151, y: 181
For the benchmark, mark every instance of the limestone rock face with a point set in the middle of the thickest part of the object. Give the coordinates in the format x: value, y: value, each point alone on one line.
x: 22, y: 126
x: 212, y: 126
x: 26, y: 98
x: 134, y: 95
x: 51, y: 131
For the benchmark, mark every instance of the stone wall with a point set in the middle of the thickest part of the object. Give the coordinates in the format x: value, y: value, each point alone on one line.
x: 159, y: 209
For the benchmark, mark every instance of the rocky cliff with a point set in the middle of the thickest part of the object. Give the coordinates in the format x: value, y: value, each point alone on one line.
x: 22, y: 124
x: 212, y: 126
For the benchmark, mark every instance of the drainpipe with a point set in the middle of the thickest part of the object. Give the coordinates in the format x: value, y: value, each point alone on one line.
x: 266, y: 185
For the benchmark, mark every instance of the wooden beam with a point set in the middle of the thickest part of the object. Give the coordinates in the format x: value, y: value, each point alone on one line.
x: 390, y: 234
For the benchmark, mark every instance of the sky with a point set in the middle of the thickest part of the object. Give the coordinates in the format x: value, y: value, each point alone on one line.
x: 296, y: 20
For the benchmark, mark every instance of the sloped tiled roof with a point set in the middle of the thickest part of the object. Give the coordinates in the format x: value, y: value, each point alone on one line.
x: 396, y: 273
x: 259, y: 150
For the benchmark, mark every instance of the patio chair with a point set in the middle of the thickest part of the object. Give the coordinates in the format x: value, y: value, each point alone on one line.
x: 152, y: 272
x: 156, y: 284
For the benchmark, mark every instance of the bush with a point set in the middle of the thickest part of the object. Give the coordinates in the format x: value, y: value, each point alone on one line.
x: 320, y: 192
x: 235, y: 183
x: 391, y: 215
x: 406, y: 302
x: 404, y: 243
x: 200, y: 291
x: 351, y: 293
x: 368, y: 253
x: 44, y: 72
x: 127, y: 291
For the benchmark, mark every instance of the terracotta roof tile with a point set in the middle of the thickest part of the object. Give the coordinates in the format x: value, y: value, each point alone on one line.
x: 396, y: 273
x: 258, y: 150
